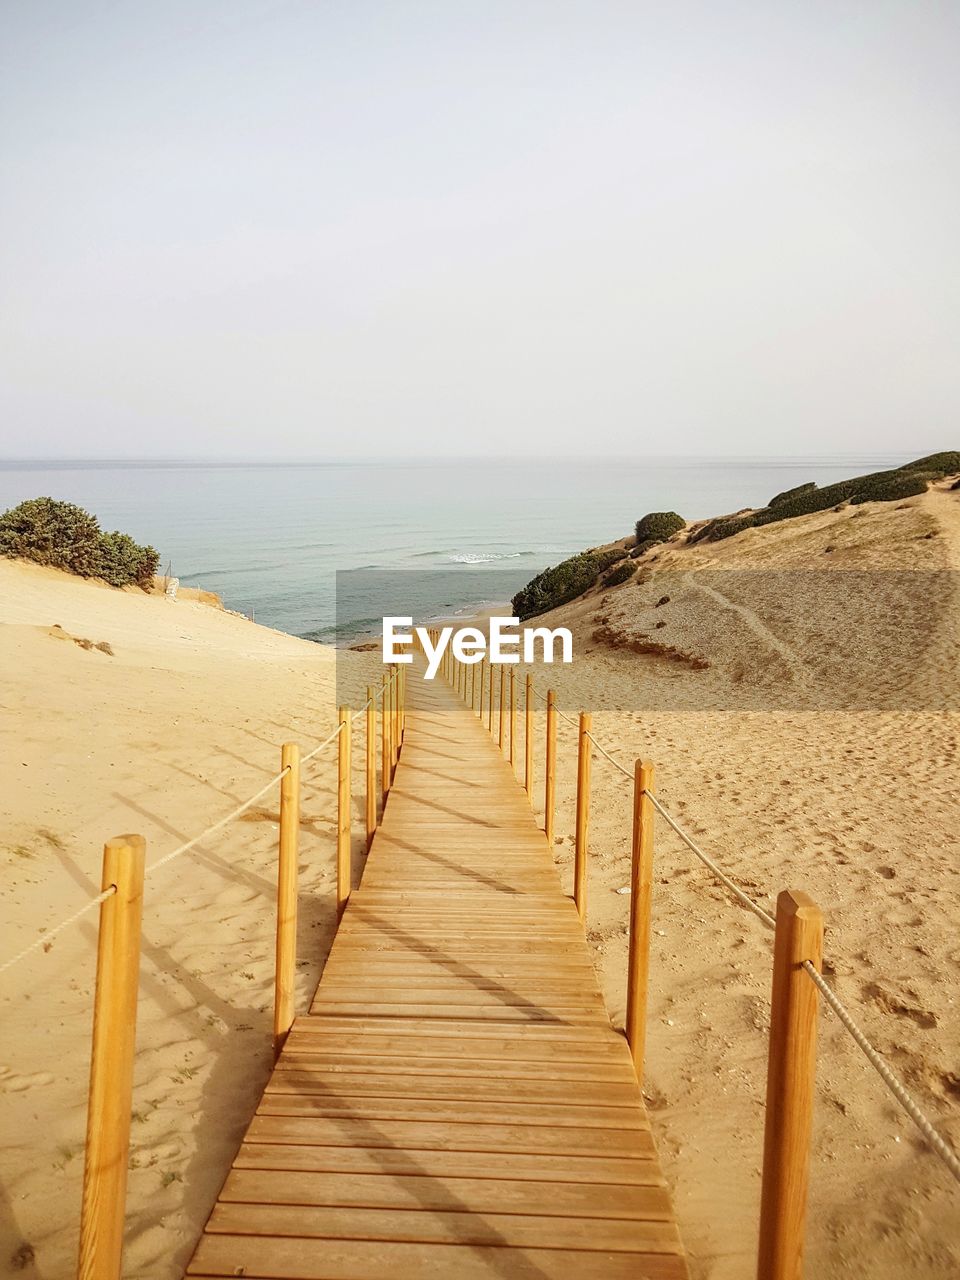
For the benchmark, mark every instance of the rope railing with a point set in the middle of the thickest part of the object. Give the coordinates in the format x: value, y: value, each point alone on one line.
x: 890, y: 1079
x: 43, y: 941
x: 893, y: 1083
x: 116, y: 991
x: 798, y: 930
x: 708, y: 862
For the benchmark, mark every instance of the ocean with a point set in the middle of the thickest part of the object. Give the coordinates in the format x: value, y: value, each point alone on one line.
x: 271, y: 538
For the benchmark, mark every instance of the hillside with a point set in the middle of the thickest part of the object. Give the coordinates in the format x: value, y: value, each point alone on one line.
x: 795, y: 686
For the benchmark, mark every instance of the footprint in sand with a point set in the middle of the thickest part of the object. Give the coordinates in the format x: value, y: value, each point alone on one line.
x: 891, y: 1003
x: 11, y: 1082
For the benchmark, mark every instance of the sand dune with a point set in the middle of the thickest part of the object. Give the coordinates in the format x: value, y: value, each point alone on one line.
x: 169, y: 732
x: 857, y: 805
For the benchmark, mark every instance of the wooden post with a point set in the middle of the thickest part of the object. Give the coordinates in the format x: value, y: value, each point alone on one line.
x: 285, y: 978
x: 528, y: 717
x: 550, y: 779
x: 513, y: 717
x: 583, y: 815
x: 396, y: 716
x: 473, y: 687
x: 641, y: 892
x: 384, y: 741
x: 503, y: 706
x: 483, y: 676
x: 111, y: 1061
x: 344, y: 867
x: 490, y: 707
x: 791, y: 1073
x: 371, y: 762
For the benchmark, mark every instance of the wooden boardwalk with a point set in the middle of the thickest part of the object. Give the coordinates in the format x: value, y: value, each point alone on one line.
x: 456, y: 1103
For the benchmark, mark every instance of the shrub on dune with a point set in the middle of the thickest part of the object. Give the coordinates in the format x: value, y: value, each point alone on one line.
x: 658, y: 526
x: 65, y: 536
x: 623, y: 573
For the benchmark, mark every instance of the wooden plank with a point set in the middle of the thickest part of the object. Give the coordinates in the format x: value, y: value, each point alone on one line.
x: 583, y: 1072
x: 484, y: 1195
x: 343, y: 1131
x: 492, y: 1047
x: 321, y: 1079
x: 455, y: 1224
x: 597, y: 1036
x: 492, y: 1013
x: 517, y: 1111
x: 272, y: 1258
x: 515, y: 1165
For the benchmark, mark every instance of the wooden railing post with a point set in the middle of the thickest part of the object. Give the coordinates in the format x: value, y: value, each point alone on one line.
x: 583, y: 815
x: 528, y: 730
x: 344, y: 867
x: 641, y: 890
x: 503, y: 707
x: 550, y: 773
x: 397, y: 695
x: 384, y: 739
x: 473, y: 687
x: 371, y: 763
x: 490, y: 707
x: 513, y: 717
x: 285, y: 977
x: 791, y: 1072
x: 111, y: 1061
x: 483, y: 676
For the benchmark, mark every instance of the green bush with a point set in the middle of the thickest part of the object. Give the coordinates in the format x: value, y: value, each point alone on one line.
x: 54, y: 533
x: 877, y: 486
x: 939, y: 464
x: 641, y: 547
x: 606, y: 558
x: 897, y: 486
x: 123, y: 561
x: 728, y: 527
x: 623, y: 573
x: 792, y: 493
x: 658, y: 526
x: 65, y: 536
x: 556, y: 586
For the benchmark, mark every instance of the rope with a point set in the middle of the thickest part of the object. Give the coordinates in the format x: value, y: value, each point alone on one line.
x: 325, y: 743
x: 46, y: 938
x: 707, y: 861
x: 556, y: 707
x: 604, y: 752
x: 189, y: 844
x: 896, y: 1087
x: 51, y: 933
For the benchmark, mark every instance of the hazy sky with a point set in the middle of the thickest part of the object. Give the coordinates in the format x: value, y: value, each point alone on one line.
x: 255, y: 227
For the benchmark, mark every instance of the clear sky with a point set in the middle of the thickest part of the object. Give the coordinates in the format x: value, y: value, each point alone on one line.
x: 268, y: 228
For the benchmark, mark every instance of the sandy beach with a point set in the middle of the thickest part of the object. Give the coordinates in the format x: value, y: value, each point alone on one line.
x: 184, y: 717
x: 169, y: 732
x: 858, y: 807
